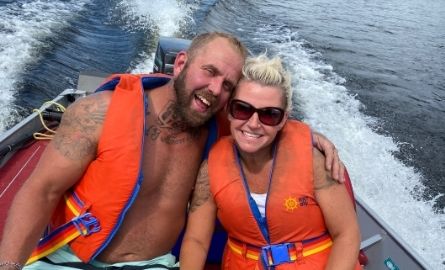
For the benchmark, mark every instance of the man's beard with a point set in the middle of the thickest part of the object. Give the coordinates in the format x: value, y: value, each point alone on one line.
x: 184, y: 99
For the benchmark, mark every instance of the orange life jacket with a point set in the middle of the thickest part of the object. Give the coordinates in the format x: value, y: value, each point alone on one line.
x: 91, y: 212
x: 293, y: 232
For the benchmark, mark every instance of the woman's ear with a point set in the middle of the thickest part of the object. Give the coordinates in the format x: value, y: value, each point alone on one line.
x: 283, y: 122
x: 180, y: 61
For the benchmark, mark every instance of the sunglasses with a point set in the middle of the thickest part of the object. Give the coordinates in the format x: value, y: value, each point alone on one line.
x: 241, y: 110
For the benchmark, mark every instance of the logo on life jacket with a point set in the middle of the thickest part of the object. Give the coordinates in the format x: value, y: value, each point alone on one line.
x: 291, y: 204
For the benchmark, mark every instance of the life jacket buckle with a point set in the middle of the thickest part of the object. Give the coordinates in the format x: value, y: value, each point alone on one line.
x: 86, y: 224
x: 273, y: 255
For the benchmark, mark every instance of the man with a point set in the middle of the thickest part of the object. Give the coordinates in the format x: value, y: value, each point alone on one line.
x: 98, y: 142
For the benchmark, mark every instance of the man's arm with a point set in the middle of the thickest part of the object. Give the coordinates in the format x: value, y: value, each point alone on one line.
x: 200, y: 224
x: 61, y: 165
x: 333, y: 162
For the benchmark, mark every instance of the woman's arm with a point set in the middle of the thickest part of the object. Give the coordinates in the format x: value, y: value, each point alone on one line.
x: 200, y: 224
x: 340, y: 217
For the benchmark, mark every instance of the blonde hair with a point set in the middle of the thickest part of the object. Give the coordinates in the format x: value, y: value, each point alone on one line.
x: 269, y: 72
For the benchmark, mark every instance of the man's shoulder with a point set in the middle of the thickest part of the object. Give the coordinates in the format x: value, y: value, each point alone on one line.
x: 98, y: 98
x: 92, y: 107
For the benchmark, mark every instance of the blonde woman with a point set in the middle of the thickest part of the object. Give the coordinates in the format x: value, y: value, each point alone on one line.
x: 269, y: 188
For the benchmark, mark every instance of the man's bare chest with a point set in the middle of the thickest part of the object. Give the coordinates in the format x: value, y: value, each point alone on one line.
x: 172, y: 152
x: 170, y: 170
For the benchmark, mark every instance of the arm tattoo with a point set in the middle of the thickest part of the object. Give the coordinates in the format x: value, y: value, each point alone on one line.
x: 76, y: 137
x: 202, y: 188
x: 325, y: 184
x: 74, y: 146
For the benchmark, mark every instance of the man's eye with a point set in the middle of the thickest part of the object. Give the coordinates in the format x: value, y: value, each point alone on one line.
x: 228, y: 86
x: 210, y: 71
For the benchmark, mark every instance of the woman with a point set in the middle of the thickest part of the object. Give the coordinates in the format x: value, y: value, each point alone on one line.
x: 269, y: 188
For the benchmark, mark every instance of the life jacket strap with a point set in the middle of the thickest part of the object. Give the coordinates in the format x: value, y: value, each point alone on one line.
x: 86, y: 224
x: 276, y: 254
x: 82, y: 224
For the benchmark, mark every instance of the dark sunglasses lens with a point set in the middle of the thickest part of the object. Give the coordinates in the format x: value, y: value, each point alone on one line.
x: 271, y: 116
x: 240, y: 110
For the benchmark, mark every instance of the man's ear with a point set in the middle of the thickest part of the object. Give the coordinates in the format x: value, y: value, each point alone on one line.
x: 181, y: 59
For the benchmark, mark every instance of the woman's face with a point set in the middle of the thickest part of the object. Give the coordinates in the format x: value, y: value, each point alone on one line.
x: 251, y: 135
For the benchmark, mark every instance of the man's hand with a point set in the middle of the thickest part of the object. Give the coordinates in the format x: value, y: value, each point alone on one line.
x: 333, y: 162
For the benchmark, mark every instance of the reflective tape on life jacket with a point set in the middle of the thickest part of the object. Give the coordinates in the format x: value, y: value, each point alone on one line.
x: 273, y: 255
x: 82, y: 224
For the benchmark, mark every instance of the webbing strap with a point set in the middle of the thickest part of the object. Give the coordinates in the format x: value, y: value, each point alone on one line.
x: 261, y: 221
x: 273, y: 255
x: 82, y: 224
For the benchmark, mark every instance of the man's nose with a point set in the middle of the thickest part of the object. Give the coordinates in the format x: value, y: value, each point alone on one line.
x: 216, y: 86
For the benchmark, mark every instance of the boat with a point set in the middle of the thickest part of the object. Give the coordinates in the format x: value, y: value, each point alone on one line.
x: 20, y: 149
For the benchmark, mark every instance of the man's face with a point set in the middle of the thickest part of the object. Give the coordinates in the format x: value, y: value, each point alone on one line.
x: 204, y: 83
